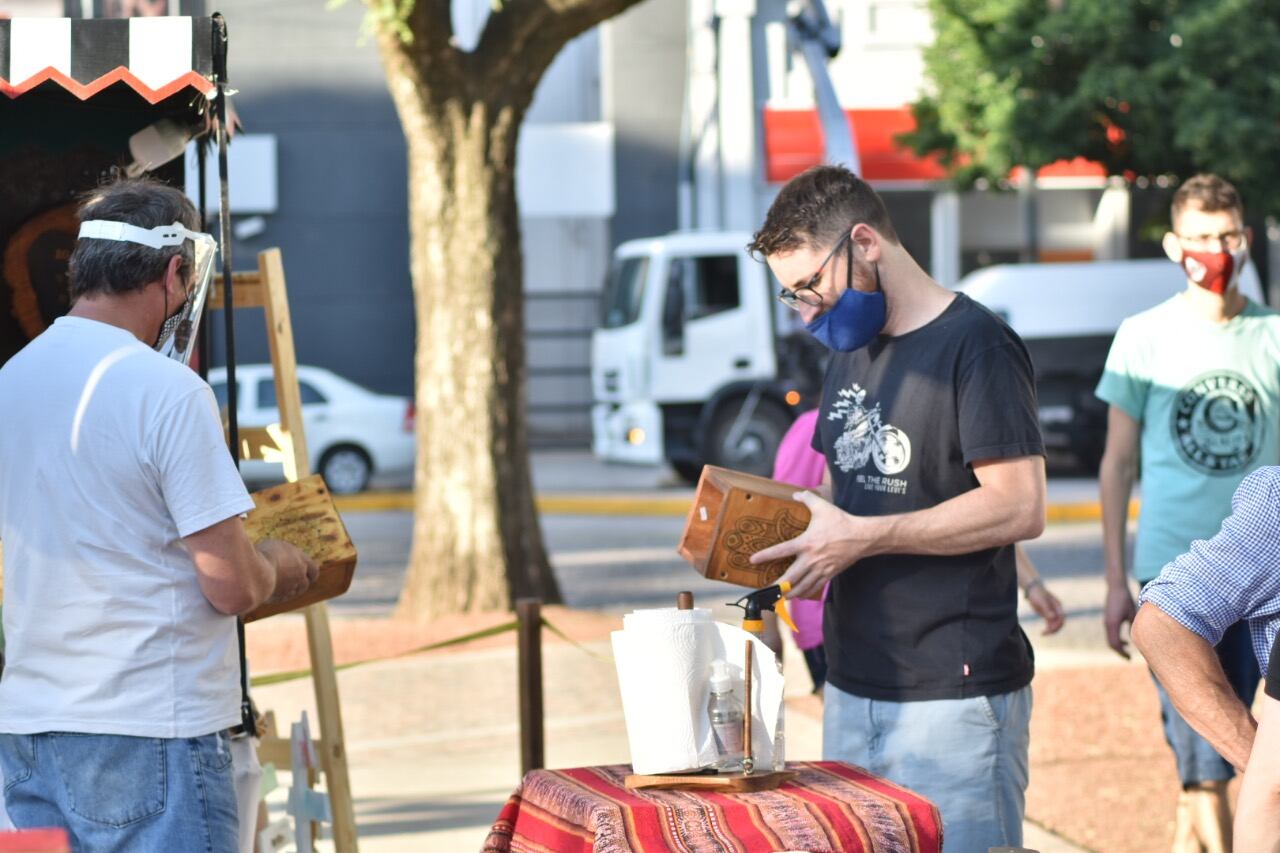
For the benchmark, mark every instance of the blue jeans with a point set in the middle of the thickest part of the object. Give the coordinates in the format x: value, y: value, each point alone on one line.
x: 1197, y: 760
x: 115, y: 793
x: 969, y: 756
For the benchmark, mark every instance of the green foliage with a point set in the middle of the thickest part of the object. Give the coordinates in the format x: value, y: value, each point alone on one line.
x: 1144, y: 87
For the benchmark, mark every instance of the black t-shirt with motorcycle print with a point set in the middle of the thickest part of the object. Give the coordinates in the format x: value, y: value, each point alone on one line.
x: 901, y: 423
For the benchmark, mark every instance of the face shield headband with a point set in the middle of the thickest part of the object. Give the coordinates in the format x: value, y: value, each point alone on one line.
x: 177, y: 335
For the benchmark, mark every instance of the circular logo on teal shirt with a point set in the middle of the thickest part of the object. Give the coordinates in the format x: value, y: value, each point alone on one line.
x: 1217, y: 425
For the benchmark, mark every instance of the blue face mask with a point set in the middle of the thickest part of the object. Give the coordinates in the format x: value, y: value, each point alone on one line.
x: 854, y: 321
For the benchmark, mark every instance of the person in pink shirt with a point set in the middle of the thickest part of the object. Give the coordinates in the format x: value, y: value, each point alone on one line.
x: 799, y: 464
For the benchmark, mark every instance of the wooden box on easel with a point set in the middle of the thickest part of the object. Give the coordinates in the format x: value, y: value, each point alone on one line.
x: 733, y: 516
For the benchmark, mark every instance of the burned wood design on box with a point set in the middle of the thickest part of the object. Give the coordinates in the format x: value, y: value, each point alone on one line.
x: 733, y: 516
x: 303, y: 514
x: 750, y: 534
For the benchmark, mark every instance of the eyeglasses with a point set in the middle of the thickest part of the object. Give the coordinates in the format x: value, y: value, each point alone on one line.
x: 807, y: 292
x: 1230, y: 240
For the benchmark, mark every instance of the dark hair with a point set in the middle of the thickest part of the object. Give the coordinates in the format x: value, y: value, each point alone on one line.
x: 815, y: 208
x: 1209, y: 193
x: 115, y: 266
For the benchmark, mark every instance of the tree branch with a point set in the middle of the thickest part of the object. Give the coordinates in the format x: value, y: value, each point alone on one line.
x: 421, y: 31
x: 523, y: 37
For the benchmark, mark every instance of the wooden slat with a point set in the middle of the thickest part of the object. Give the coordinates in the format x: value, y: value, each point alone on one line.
x: 249, y: 292
x: 284, y: 358
x: 276, y: 750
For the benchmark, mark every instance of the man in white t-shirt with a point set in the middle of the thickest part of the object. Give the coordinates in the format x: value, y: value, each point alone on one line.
x: 126, y: 558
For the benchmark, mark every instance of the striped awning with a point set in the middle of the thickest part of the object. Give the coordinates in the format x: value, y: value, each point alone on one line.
x: 156, y: 57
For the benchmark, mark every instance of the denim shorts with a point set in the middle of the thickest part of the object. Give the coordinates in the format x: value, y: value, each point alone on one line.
x: 968, y: 756
x: 116, y: 793
x: 1197, y: 760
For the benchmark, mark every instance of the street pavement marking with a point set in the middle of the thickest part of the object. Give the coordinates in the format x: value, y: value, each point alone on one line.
x: 607, y: 556
x: 631, y: 505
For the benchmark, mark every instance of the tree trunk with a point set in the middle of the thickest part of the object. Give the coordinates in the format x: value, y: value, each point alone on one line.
x: 477, y: 544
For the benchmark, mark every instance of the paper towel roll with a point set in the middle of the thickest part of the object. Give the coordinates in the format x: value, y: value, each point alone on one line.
x: 664, y: 666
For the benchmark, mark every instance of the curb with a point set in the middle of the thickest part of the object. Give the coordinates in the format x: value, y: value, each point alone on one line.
x: 624, y: 505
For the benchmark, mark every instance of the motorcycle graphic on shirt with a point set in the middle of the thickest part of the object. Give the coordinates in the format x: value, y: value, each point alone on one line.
x: 866, y: 437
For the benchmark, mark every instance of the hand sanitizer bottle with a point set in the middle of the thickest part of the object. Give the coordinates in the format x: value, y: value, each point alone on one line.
x: 725, y: 711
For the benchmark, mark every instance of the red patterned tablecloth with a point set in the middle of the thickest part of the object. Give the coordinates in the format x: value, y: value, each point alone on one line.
x: 830, y: 806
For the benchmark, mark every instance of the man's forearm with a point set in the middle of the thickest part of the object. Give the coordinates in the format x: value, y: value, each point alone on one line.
x: 978, y: 519
x: 1190, y: 672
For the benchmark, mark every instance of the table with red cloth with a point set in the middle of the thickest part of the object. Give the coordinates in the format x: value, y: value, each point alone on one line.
x: 829, y: 806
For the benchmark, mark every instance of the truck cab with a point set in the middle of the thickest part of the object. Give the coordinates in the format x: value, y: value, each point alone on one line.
x: 686, y: 361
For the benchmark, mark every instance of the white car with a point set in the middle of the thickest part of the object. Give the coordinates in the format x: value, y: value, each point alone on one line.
x: 352, y: 433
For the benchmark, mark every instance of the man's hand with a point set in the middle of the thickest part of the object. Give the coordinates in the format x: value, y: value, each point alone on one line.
x: 295, y: 571
x: 833, y: 541
x: 1047, y: 605
x: 1119, y: 610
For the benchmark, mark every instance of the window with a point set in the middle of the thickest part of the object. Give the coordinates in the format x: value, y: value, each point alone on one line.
x: 710, y: 284
x: 624, y: 291
x: 267, y: 394
x: 219, y: 393
x: 310, y: 394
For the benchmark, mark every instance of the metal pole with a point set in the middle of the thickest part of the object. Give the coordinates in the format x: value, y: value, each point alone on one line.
x: 529, y: 612
x: 202, y: 170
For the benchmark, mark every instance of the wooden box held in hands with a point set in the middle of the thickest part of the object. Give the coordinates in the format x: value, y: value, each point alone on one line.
x: 735, y: 515
x: 303, y: 514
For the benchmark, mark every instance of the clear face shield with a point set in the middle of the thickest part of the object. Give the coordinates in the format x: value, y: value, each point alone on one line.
x: 178, y: 334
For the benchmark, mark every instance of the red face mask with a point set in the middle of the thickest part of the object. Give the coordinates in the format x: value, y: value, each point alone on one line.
x: 1214, y: 271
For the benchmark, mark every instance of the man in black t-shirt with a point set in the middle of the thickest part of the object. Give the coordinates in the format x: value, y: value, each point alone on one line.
x: 929, y: 424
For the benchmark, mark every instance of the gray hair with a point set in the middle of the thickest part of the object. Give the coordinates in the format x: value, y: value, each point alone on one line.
x: 113, y: 266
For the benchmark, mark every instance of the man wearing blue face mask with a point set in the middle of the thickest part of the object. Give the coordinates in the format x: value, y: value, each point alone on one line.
x: 935, y: 464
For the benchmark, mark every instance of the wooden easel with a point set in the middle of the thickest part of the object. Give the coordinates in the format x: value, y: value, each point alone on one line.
x: 265, y: 289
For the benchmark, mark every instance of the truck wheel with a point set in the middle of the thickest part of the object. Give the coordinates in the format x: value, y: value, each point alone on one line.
x: 688, y: 471
x: 751, y: 445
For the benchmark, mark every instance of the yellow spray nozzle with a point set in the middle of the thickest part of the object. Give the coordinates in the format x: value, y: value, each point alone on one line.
x: 769, y: 598
x: 784, y: 615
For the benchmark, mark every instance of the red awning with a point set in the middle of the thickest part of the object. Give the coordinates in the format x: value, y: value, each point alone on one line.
x: 793, y: 143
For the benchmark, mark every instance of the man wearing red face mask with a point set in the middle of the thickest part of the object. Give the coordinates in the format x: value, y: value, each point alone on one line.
x: 1194, y: 391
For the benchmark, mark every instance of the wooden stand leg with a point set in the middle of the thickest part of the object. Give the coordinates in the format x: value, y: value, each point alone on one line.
x: 333, y: 755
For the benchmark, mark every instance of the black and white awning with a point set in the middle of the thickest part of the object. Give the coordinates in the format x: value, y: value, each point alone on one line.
x: 157, y: 57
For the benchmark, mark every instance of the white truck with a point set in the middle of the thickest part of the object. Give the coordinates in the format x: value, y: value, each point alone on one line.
x: 695, y: 361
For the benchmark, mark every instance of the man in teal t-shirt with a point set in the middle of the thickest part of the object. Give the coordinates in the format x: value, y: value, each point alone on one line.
x: 1196, y: 382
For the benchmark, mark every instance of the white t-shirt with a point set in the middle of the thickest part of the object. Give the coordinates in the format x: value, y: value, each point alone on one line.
x: 109, y: 454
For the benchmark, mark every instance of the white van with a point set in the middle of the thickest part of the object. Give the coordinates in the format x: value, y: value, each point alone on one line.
x: 1067, y: 314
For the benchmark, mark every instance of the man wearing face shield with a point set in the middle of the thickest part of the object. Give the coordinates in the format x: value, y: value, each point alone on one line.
x: 1194, y: 391
x: 935, y: 468
x: 126, y: 558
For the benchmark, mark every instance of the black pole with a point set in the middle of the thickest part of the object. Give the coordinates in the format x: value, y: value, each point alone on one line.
x: 229, y: 305
x: 202, y: 171
x: 224, y: 219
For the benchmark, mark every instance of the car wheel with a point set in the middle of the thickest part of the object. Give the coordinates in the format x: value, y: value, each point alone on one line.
x: 346, y: 469
x: 748, y: 443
